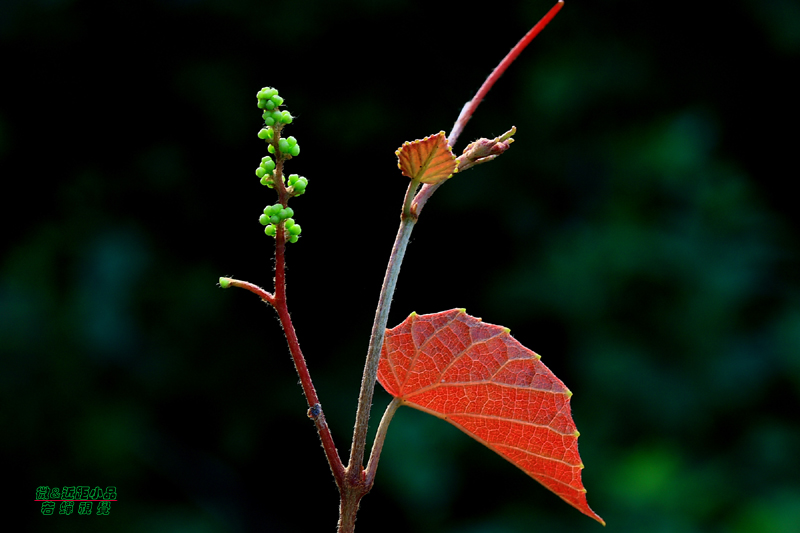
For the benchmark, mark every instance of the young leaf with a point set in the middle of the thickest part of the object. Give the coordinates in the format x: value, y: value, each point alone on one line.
x: 484, y: 382
x: 429, y: 160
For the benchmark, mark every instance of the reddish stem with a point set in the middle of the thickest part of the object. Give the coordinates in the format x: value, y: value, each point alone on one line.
x: 314, y: 408
x: 255, y: 289
x: 278, y: 301
x: 469, y: 109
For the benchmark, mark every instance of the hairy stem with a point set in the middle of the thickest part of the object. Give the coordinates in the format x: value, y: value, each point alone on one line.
x: 255, y: 289
x: 315, y: 409
x: 375, y: 344
x: 278, y: 301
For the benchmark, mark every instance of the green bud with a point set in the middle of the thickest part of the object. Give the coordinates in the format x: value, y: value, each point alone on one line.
x: 291, y: 140
x: 283, y: 145
x: 289, y: 223
x: 262, y: 104
x: 260, y: 172
x: 295, y: 229
x: 266, y: 159
x: 266, y: 181
x: 271, y: 149
x: 286, y: 117
x: 264, y: 219
x: 300, y: 186
x: 263, y: 134
x: 284, y: 214
x: 293, y: 238
x: 289, y: 212
x: 275, y: 219
x: 269, y: 105
x: 269, y: 121
x: 271, y: 91
x: 293, y: 178
x: 294, y: 151
x: 277, y: 99
x: 269, y: 166
x: 224, y: 282
x: 270, y: 230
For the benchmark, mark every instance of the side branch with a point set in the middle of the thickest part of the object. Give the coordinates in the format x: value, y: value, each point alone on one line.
x: 315, y: 409
x: 255, y: 289
x: 278, y: 301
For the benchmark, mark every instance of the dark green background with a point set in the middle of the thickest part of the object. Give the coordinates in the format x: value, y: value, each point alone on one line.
x: 642, y: 235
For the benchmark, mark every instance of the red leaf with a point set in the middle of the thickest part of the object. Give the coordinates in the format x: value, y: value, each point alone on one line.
x: 484, y: 382
x: 429, y: 160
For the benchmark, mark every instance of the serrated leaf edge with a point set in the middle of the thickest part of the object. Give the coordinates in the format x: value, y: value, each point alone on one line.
x: 419, y: 141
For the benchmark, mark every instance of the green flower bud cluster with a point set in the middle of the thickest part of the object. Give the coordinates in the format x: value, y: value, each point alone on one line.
x: 274, y: 119
x: 285, y: 146
x: 283, y: 149
x: 269, y: 100
x: 274, y: 215
x: 265, y: 170
x: 298, y: 184
x: 277, y: 117
x: 289, y: 146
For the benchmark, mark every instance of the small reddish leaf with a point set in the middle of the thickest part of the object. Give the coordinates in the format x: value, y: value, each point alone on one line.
x: 429, y: 160
x: 484, y: 382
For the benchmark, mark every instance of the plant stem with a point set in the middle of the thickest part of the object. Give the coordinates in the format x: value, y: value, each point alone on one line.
x: 376, y: 343
x: 348, y: 508
x: 278, y: 301
x: 255, y: 289
x: 468, y: 110
x: 407, y: 211
x: 310, y: 392
x: 380, y: 436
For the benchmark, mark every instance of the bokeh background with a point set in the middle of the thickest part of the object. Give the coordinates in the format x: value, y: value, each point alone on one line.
x: 642, y: 235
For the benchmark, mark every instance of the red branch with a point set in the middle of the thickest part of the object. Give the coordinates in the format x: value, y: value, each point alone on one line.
x: 469, y: 109
x: 255, y: 289
x: 278, y: 301
x: 314, y: 407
